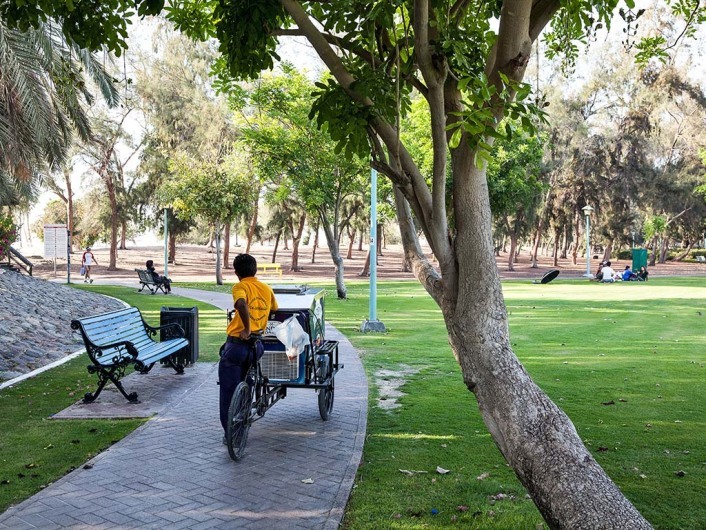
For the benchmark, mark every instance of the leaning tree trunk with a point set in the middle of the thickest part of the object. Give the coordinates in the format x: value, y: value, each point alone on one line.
x: 684, y: 254
x: 274, y: 250
x: 335, y: 251
x: 536, y: 438
x: 608, y: 250
x: 366, y: 266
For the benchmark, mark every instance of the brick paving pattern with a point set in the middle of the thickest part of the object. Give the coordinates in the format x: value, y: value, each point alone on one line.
x: 173, y: 472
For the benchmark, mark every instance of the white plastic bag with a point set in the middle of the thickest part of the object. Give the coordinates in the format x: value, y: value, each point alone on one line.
x: 292, y: 335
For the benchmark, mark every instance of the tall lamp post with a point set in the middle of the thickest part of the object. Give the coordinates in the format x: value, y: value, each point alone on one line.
x: 587, y: 212
x: 373, y: 324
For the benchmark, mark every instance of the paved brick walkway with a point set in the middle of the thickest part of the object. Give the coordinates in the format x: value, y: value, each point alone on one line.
x: 173, y: 472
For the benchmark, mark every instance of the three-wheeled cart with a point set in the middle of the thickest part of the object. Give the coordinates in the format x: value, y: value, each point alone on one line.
x: 269, y: 378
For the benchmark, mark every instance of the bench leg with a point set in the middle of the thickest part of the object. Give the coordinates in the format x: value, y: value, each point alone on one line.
x: 178, y: 367
x: 142, y: 288
x: 104, y: 375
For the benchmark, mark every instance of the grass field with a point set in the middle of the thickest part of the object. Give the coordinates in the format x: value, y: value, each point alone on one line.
x: 36, y: 450
x: 625, y: 361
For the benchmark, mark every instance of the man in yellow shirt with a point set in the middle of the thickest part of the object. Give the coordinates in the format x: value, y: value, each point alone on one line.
x: 254, y: 301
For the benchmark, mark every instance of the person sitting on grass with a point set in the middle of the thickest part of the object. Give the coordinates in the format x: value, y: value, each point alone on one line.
x: 642, y: 274
x: 158, y: 280
x: 608, y: 273
x: 628, y: 275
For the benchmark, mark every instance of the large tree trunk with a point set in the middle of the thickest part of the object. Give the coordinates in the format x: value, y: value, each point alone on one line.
x: 608, y: 250
x: 565, y: 246
x: 555, y: 251
x: 535, y: 436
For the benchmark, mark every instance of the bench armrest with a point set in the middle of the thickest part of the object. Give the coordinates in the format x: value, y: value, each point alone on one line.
x: 171, y: 331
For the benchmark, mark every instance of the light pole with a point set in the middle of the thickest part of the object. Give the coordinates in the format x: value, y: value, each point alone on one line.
x: 587, y: 212
x: 373, y: 324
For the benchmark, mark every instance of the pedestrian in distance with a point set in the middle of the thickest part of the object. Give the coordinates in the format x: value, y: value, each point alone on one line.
x: 253, y: 302
x: 88, y: 260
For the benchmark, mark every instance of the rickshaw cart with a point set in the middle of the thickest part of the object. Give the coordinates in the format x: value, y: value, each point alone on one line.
x: 269, y: 378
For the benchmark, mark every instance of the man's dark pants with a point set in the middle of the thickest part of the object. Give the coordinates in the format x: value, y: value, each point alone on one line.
x: 232, y: 369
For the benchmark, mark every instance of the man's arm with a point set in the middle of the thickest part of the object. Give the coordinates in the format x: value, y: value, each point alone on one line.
x: 242, y: 308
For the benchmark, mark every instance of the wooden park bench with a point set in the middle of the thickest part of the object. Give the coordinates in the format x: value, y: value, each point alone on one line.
x: 146, y: 280
x: 269, y: 268
x: 122, y: 338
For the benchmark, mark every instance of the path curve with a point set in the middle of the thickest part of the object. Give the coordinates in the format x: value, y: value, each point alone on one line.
x: 173, y: 472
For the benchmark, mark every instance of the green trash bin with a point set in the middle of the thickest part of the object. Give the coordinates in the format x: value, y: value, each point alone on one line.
x: 639, y: 258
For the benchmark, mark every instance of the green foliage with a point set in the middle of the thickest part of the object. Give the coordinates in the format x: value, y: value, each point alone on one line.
x: 9, y: 233
x: 213, y: 192
x: 483, y: 102
x: 90, y: 24
x: 654, y: 227
x: 245, y: 32
x: 514, y: 183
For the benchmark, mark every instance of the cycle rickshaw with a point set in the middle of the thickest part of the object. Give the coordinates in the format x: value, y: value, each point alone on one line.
x: 269, y: 378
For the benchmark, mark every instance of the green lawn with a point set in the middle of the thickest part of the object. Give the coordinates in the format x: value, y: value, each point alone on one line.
x: 35, y: 450
x: 638, y: 345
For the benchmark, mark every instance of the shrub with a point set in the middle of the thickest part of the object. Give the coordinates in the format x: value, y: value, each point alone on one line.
x: 8, y: 233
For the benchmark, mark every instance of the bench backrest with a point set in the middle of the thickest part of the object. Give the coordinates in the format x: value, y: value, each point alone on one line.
x: 145, y: 276
x: 118, y: 326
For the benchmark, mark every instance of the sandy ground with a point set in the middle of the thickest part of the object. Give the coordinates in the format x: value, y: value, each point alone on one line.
x: 197, y: 263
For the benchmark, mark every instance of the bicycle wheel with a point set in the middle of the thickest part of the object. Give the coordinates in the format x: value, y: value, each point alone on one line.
x: 238, y: 421
x: 326, y: 393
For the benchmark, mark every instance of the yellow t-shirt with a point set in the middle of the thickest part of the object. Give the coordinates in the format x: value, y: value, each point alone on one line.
x: 260, y: 300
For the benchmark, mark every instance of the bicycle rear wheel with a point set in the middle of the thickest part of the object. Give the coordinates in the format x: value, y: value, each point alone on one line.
x: 325, y: 394
x: 239, y: 421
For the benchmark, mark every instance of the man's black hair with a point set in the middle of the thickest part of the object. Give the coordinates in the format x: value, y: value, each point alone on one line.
x: 149, y: 264
x: 245, y: 265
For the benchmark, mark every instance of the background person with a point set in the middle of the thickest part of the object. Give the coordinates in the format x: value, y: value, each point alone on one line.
x: 608, y: 273
x: 628, y: 275
x: 87, y: 261
x: 159, y: 280
x: 253, y: 301
x: 642, y: 274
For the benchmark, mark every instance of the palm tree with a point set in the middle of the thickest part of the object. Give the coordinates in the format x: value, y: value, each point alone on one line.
x: 43, y: 93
